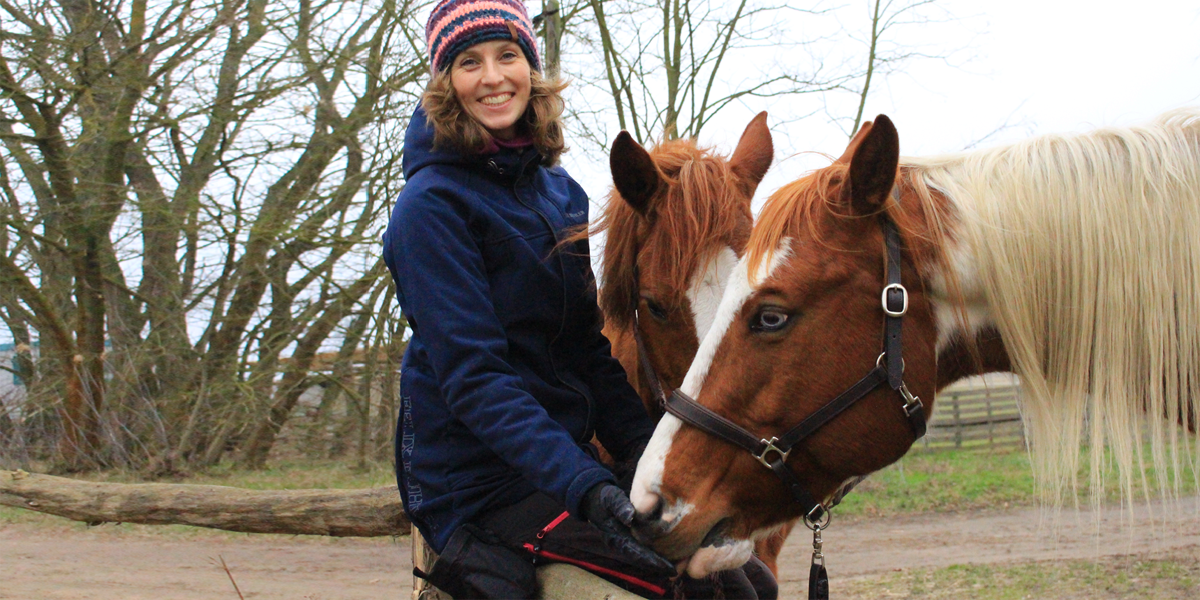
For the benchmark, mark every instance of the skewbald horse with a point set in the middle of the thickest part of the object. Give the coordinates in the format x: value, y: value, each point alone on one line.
x: 1071, y: 260
x: 676, y: 223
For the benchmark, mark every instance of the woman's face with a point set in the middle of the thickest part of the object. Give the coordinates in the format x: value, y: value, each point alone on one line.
x: 491, y: 81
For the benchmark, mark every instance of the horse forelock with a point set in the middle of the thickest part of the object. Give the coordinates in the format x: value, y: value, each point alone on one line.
x: 699, y: 212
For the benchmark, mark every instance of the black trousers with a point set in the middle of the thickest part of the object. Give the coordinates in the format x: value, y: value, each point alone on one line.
x: 496, y: 557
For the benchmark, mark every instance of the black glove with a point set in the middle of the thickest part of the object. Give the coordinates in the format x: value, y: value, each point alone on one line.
x: 609, y: 509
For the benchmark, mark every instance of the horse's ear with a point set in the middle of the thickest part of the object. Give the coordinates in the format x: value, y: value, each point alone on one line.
x: 635, y: 175
x: 855, y: 142
x: 873, y: 167
x: 754, y: 153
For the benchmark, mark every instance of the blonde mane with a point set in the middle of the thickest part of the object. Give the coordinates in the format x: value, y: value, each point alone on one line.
x: 1087, y: 250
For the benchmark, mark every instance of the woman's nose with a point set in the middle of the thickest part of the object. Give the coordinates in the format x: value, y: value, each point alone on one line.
x: 491, y: 73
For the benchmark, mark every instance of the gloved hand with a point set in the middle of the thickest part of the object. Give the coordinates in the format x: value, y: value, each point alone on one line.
x: 609, y: 509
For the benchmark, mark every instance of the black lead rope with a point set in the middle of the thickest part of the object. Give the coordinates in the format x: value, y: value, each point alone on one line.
x: 818, y: 578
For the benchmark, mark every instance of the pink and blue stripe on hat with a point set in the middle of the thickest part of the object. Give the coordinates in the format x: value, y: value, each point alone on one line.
x: 456, y: 25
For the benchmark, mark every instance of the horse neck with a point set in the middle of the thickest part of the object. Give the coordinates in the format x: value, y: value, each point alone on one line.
x: 969, y: 342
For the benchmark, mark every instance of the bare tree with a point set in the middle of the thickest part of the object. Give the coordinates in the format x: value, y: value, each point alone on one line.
x: 192, y: 191
x: 669, y: 67
x: 885, y: 53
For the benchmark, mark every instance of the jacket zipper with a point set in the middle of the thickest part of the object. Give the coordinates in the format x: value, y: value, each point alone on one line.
x: 589, y: 430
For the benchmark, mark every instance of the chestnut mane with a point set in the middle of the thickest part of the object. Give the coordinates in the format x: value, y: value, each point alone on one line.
x: 696, y: 215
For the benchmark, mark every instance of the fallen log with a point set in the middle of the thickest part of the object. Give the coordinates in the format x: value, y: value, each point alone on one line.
x: 338, y: 513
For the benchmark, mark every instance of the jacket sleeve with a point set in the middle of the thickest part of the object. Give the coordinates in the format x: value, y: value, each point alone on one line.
x: 622, y: 423
x: 438, y: 263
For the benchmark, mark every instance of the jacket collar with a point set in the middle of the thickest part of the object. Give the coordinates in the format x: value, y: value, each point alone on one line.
x: 505, y: 163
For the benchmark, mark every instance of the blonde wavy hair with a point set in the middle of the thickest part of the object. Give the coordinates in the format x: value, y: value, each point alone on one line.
x: 454, y: 128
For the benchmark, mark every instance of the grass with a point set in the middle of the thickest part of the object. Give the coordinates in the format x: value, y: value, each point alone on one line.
x: 1160, y: 576
x: 958, y: 480
x: 949, y: 480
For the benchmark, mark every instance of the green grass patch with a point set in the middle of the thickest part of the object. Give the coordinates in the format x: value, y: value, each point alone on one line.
x: 1167, y: 576
x: 955, y: 480
x: 944, y: 481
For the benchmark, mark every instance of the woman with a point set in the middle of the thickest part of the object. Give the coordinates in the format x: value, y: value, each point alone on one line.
x: 506, y: 377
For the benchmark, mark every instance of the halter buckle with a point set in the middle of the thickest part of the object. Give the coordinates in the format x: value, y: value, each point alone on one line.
x: 887, y: 309
x: 770, y: 447
x: 911, y: 403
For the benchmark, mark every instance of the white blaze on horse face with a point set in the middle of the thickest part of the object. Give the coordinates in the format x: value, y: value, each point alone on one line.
x: 708, y: 287
x: 739, y: 289
x: 949, y: 320
x: 647, y: 482
x: 705, y: 297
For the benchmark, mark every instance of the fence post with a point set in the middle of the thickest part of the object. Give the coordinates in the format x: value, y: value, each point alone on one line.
x: 957, y: 421
x: 990, y: 422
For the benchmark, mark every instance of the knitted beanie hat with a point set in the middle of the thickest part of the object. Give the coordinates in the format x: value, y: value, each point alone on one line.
x: 456, y: 25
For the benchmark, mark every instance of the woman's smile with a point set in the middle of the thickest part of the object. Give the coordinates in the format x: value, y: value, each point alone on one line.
x: 497, y: 99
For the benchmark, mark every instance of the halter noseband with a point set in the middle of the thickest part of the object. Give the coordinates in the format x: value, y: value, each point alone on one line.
x: 773, y: 453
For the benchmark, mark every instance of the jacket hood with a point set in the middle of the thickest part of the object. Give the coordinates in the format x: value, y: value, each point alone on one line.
x: 418, y: 147
x: 420, y: 153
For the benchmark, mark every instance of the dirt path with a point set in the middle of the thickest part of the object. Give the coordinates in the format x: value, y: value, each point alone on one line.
x: 60, y: 562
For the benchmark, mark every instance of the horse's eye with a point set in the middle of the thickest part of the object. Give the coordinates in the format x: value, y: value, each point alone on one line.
x: 656, y: 310
x: 769, y: 320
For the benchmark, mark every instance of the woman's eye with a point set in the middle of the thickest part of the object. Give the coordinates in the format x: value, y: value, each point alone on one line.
x: 467, y: 63
x: 769, y: 320
x: 507, y: 56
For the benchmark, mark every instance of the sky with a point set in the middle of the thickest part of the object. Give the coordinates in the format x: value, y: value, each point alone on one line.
x: 1016, y: 69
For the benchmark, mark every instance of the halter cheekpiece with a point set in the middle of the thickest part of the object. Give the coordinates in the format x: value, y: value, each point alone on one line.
x: 889, y: 369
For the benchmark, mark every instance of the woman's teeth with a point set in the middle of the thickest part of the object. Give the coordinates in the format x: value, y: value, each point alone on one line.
x: 494, y: 100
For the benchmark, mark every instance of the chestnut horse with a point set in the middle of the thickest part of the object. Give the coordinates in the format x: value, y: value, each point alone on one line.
x: 677, y: 222
x: 1073, y: 261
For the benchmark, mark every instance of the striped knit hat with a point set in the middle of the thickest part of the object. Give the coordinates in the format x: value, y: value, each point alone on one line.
x: 456, y: 25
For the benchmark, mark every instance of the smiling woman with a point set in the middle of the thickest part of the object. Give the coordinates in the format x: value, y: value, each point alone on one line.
x: 507, y: 376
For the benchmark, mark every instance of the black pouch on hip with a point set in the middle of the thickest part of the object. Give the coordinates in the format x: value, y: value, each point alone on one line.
x: 476, y: 564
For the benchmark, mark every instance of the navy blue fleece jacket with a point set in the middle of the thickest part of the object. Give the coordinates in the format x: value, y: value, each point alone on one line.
x: 506, y: 376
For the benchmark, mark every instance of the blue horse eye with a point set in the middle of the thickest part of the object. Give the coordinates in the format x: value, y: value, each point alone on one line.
x: 770, y: 319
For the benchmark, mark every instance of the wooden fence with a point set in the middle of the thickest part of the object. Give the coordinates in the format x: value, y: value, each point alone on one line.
x: 977, y: 414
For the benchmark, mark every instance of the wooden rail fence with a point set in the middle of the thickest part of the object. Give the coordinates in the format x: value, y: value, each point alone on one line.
x: 976, y: 415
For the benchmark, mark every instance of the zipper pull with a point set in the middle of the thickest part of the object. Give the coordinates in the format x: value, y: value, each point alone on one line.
x: 491, y: 163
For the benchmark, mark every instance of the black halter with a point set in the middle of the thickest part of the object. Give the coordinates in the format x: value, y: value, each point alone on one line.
x: 889, y: 369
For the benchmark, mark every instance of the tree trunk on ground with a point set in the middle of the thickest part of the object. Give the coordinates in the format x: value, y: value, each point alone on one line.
x: 338, y: 513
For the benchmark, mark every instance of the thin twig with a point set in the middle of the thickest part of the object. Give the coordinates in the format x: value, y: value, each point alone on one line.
x: 230, y: 574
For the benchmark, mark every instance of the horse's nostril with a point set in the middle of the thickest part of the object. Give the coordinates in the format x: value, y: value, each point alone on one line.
x: 654, y: 514
x: 649, y: 526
